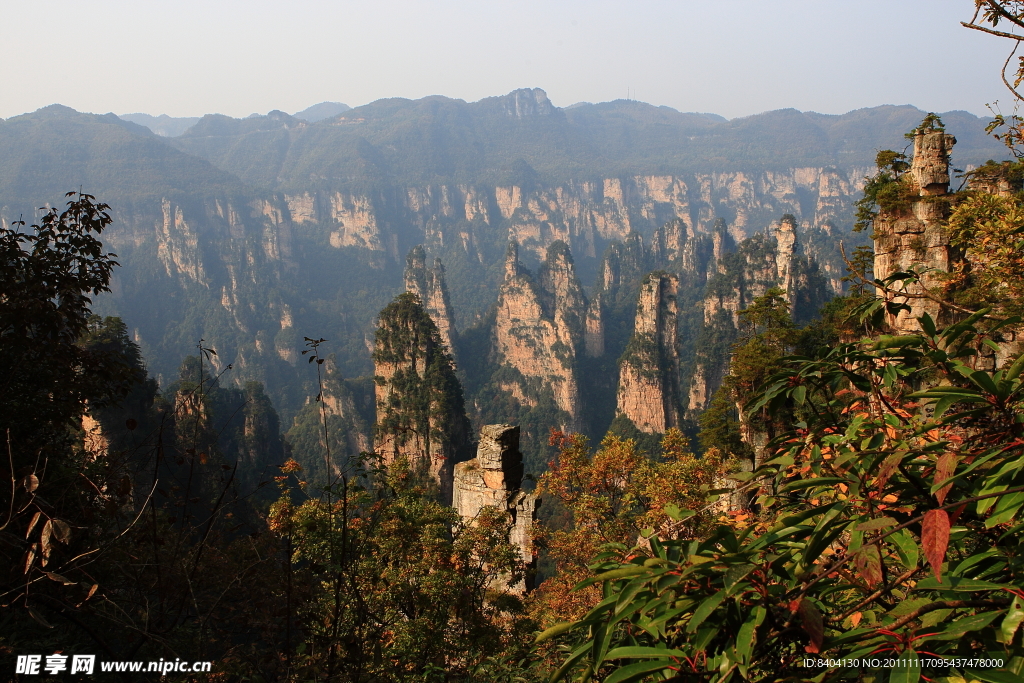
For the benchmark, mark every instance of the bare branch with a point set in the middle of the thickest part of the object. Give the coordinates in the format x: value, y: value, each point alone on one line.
x: 984, y: 29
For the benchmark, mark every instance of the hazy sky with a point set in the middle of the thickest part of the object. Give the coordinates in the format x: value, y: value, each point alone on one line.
x: 731, y: 57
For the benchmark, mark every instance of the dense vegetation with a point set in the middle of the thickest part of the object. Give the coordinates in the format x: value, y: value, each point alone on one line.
x: 855, y: 493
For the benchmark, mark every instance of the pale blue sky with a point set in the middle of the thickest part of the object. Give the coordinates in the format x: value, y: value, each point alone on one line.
x: 731, y: 57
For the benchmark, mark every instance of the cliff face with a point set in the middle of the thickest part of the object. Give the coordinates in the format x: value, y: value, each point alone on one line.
x: 349, y: 431
x: 648, y: 390
x: 420, y: 412
x: 493, y: 478
x: 583, y: 214
x: 429, y: 286
x: 539, y: 330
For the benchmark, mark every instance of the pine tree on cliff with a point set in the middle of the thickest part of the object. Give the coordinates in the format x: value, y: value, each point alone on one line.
x: 421, y: 416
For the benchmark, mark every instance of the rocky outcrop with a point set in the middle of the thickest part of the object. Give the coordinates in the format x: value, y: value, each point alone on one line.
x: 527, y: 103
x: 912, y: 234
x: 493, y: 479
x: 430, y: 287
x: 539, y: 329
x: 648, y: 391
x: 420, y: 413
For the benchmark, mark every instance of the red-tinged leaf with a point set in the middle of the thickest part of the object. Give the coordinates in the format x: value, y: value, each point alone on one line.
x: 855, y: 618
x: 944, y: 469
x: 935, y: 539
x: 92, y: 591
x: 813, y: 624
x: 869, y: 565
x: 888, y: 468
x: 32, y: 525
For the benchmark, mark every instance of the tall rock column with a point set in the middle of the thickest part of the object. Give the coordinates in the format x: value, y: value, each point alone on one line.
x: 648, y: 392
x: 420, y: 411
x: 913, y: 234
x: 786, y: 251
x: 538, y: 331
x: 493, y: 479
x: 429, y: 285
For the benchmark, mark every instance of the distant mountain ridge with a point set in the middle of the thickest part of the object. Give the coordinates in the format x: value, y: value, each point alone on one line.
x: 521, y: 136
x: 173, y: 126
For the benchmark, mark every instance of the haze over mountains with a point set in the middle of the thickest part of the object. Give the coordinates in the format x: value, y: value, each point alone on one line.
x: 253, y: 233
x: 172, y: 126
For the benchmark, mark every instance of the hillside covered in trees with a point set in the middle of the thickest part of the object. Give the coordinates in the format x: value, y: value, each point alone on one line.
x: 723, y: 404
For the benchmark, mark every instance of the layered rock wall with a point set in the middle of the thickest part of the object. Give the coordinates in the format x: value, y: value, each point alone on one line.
x: 580, y: 213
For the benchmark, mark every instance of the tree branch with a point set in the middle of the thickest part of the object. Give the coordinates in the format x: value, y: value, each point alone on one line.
x: 1001, y: 34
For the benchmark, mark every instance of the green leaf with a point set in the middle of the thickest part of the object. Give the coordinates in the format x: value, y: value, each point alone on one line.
x: 747, y: 636
x: 707, y: 606
x: 1013, y: 372
x: 808, y: 483
x: 640, y: 652
x: 576, y: 656
x: 620, y: 573
x: 638, y: 671
x: 984, y: 381
x: 555, y: 630
x: 906, y: 548
x: 886, y: 341
x: 736, y: 573
x: 968, y: 624
x: 907, y: 669
x: 956, y: 583
x: 627, y: 594
x: 673, y: 511
x: 1006, y: 509
x: 1014, y: 615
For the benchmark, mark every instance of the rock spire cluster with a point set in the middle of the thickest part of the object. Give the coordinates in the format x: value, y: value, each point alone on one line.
x: 540, y: 329
x: 429, y: 285
x: 648, y: 392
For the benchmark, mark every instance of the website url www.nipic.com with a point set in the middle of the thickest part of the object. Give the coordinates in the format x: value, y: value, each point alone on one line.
x: 35, y: 665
